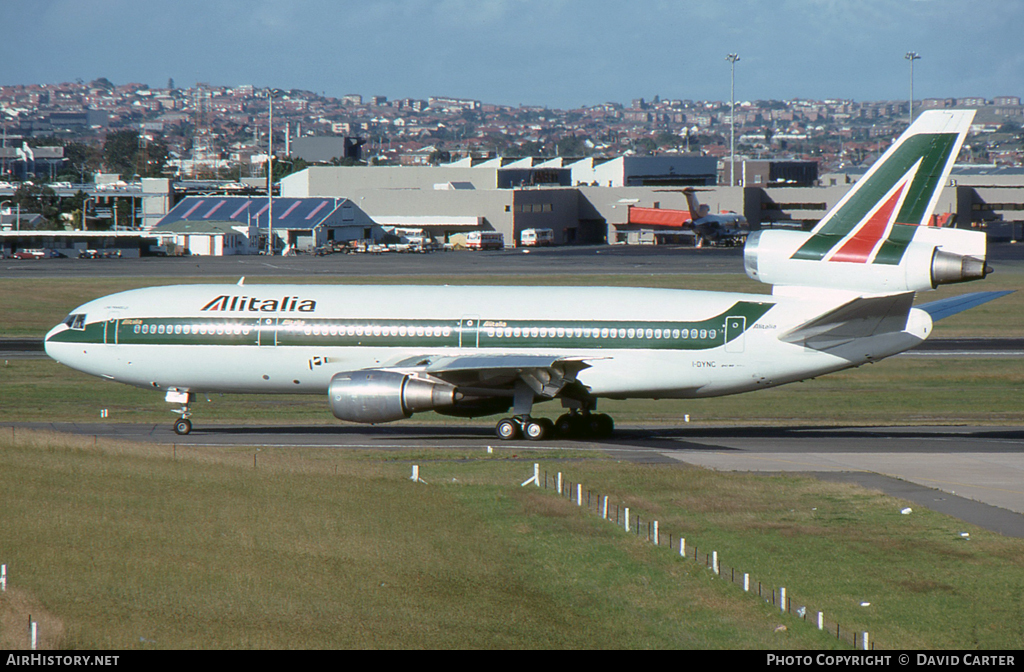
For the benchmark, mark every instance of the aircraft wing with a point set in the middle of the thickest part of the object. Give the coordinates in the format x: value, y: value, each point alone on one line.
x: 859, y: 318
x: 944, y: 308
x: 546, y: 375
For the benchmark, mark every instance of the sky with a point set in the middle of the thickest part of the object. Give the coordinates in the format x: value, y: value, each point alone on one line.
x: 557, y: 53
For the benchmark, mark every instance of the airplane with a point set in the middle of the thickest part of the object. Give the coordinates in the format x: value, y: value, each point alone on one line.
x: 842, y: 296
x: 722, y: 229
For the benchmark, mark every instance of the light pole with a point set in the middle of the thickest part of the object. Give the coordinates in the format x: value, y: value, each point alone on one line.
x: 732, y: 58
x: 270, y: 93
x: 87, y: 199
x: 912, y: 56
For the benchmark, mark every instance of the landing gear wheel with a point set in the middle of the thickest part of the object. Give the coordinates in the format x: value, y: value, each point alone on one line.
x: 538, y: 429
x: 182, y: 426
x: 570, y: 426
x: 599, y: 425
x: 507, y: 429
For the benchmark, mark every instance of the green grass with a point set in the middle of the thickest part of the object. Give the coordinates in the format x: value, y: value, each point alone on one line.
x: 119, y: 546
x: 897, y: 391
x: 125, y: 548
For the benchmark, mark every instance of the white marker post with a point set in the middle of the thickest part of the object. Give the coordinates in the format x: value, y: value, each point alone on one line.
x: 604, y: 508
x: 865, y: 641
x: 579, y: 494
x: 714, y: 561
x: 627, y: 519
x: 656, y: 534
x: 415, y: 478
x: 535, y: 479
x: 559, y: 483
x: 821, y: 620
x: 782, y: 599
x: 3, y: 578
x: 746, y: 583
x: 33, y: 635
x: 682, y: 547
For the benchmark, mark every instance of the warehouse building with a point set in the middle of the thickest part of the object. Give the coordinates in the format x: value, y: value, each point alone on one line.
x: 227, y: 225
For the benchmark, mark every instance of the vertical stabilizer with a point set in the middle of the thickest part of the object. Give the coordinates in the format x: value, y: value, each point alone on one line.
x: 878, y: 238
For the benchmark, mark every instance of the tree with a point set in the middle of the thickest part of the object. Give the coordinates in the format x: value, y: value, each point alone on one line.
x: 572, y: 146
x: 39, y: 199
x: 645, y: 146
x: 666, y: 139
x: 82, y: 160
x: 123, y: 153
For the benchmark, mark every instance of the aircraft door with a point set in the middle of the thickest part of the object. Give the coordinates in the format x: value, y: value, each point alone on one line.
x: 110, y: 328
x: 469, y: 331
x: 735, y: 333
x: 267, y: 331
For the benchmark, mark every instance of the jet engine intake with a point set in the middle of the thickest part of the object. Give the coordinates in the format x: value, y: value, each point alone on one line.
x: 372, y: 395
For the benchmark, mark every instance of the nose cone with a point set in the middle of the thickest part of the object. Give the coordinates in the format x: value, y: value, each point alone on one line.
x: 49, y: 344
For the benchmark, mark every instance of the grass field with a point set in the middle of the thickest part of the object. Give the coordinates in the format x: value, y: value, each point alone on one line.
x: 905, y: 391
x: 119, y: 546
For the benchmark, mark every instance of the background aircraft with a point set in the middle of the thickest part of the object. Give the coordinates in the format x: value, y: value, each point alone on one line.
x: 727, y: 228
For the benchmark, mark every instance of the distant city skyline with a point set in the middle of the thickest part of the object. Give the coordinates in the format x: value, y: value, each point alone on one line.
x: 556, y: 53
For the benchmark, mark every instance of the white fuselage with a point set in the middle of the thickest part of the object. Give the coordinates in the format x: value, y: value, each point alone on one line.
x: 294, y: 338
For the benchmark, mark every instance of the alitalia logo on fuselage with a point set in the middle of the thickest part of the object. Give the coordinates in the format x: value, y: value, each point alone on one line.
x: 253, y: 304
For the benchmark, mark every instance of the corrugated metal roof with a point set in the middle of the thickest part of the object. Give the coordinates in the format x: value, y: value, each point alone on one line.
x: 298, y: 213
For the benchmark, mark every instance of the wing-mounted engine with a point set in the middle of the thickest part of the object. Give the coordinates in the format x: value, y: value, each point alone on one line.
x: 930, y: 257
x: 466, y: 386
x: 376, y: 395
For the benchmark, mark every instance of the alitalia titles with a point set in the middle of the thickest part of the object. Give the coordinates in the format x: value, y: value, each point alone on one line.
x: 253, y: 304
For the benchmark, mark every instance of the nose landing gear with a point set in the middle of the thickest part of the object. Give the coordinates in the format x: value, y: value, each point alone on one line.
x: 182, y: 425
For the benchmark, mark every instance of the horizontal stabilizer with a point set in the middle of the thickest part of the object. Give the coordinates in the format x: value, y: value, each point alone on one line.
x: 860, y: 318
x: 957, y: 304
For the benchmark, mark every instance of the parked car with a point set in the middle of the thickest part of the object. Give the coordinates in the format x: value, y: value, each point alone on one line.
x: 29, y: 254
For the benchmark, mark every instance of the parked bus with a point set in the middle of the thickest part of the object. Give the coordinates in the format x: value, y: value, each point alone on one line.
x: 537, y: 237
x: 485, y: 240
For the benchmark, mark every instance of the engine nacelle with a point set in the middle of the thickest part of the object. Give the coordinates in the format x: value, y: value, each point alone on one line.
x: 934, y: 257
x: 372, y: 395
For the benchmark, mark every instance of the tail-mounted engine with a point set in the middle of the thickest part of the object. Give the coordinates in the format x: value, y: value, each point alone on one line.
x: 932, y: 257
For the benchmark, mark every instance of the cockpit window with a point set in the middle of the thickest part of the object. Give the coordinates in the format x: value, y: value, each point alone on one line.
x: 76, y: 321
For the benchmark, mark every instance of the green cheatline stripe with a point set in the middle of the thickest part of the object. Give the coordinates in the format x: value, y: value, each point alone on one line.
x: 933, y: 150
x: 661, y: 335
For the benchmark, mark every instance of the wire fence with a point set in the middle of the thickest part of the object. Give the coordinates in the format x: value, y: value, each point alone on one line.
x: 646, y: 527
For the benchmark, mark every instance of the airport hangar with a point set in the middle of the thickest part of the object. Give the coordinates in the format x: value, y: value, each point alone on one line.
x: 574, y: 199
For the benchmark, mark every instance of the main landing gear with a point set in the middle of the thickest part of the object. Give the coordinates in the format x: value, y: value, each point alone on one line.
x: 182, y: 425
x: 578, y: 423
x: 573, y: 425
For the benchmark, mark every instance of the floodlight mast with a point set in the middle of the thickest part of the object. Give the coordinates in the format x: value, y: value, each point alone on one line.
x: 270, y: 175
x: 732, y: 58
x: 912, y: 56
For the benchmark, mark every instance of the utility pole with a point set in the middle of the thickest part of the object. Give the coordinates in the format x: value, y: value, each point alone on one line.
x: 270, y: 171
x: 732, y: 58
x: 270, y: 175
x: 912, y: 56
